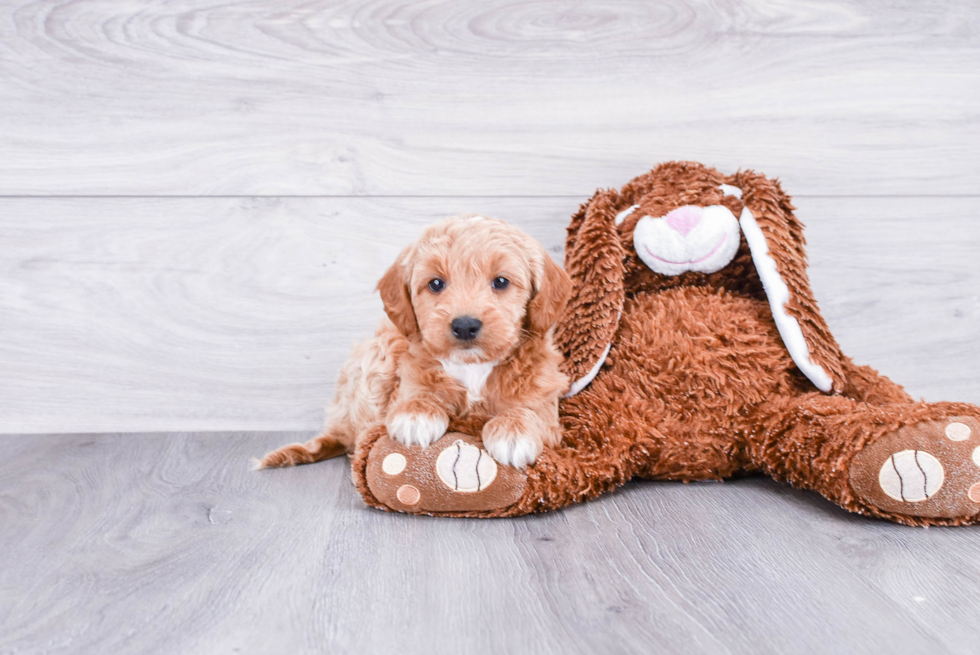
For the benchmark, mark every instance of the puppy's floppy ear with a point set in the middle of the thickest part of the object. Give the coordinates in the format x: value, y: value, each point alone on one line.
x: 775, y: 237
x: 397, y: 297
x: 551, y: 289
x: 594, y: 258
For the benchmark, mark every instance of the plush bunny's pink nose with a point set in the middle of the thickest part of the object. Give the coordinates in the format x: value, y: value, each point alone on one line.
x: 684, y: 219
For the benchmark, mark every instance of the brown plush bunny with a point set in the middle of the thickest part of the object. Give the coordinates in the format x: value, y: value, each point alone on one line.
x: 696, y: 351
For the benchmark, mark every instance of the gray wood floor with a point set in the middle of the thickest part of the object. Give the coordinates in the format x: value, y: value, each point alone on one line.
x: 167, y: 543
x: 196, y: 200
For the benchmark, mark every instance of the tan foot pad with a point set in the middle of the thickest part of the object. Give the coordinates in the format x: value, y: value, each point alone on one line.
x: 454, y: 474
x: 929, y: 470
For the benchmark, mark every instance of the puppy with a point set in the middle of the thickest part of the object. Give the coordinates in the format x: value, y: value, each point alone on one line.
x: 470, y: 310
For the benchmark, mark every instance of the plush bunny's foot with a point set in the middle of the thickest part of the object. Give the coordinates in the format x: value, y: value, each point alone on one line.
x: 930, y: 470
x: 455, y: 475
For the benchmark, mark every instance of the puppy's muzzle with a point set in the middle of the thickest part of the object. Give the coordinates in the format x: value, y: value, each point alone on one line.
x: 465, y: 328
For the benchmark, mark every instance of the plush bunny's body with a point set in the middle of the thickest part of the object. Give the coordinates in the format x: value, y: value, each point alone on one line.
x: 696, y: 351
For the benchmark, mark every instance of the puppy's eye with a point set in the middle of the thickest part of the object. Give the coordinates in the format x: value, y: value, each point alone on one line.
x: 437, y: 284
x: 500, y: 283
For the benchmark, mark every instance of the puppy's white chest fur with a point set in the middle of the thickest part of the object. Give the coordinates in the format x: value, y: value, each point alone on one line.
x: 471, y: 376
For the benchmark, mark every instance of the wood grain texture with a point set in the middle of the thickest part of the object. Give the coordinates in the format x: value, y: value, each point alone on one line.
x: 217, y: 314
x: 899, y: 283
x: 139, y: 543
x: 210, y: 314
x: 134, y: 97
x: 234, y: 311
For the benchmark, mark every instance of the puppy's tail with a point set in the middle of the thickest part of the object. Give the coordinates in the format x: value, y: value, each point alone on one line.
x: 318, y: 449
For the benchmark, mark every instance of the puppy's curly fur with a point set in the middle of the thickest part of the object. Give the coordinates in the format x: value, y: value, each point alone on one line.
x: 470, y: 308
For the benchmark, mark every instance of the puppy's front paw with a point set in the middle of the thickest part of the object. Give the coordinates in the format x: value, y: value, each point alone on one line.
x: 422, y: 426
x: 510, y: 442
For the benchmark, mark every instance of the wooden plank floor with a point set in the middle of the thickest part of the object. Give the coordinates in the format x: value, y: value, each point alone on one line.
x: 168, y: 543
x: 197, y: 198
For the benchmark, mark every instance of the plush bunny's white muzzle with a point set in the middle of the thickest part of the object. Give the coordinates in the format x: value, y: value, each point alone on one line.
x: 689, y: 238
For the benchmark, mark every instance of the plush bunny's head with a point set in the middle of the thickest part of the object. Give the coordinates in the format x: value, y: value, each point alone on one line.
x: 685, y: 224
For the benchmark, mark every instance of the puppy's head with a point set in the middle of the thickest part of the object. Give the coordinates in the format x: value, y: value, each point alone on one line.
x: 473, y: 288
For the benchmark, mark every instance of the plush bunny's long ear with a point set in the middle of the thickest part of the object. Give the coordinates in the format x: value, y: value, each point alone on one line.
x: 594, y: 258
x: 775, y: 238
x: 396, y: 296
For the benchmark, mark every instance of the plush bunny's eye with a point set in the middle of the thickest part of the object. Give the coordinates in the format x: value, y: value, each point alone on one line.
x: 437, y: 284
x: 500, y: 283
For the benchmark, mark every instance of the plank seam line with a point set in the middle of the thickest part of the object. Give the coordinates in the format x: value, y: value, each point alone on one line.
x: 424, y: 197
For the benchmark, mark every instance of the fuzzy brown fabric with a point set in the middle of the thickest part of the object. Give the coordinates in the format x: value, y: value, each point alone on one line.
x: 698, y: 383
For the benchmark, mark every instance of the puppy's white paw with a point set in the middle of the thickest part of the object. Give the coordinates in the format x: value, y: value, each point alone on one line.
x: 420, y: 429
x: 515, y: 450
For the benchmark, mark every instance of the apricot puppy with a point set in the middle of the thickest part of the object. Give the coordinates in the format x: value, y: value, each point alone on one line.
x: 470, y: 309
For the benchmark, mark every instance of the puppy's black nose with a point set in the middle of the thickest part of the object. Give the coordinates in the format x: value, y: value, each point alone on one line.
x: 465, y: 328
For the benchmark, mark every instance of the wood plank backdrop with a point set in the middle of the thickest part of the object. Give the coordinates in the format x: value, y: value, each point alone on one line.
x: 142, y: 313
x: 127, y: 97
x: 197, y: 198
x: 236, y: 313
